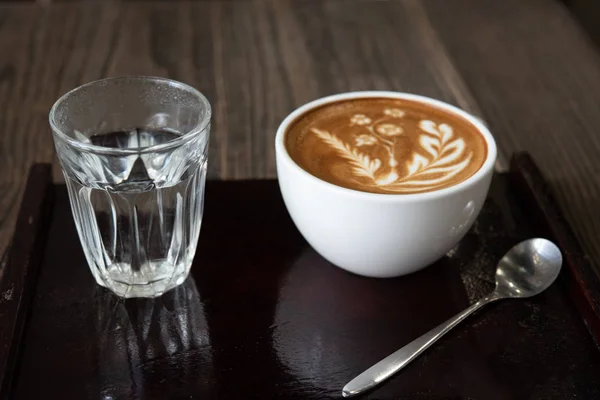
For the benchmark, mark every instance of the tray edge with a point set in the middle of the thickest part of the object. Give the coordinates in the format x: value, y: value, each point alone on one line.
x: 580, y: 278
x: 19, y: 274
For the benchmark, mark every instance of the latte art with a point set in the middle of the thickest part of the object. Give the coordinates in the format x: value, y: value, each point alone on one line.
x: 386, y: 145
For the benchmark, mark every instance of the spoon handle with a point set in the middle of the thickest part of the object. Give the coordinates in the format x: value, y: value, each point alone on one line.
x: 398, y: 360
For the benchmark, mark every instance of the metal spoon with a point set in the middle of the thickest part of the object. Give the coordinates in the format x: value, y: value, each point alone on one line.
x: 526, y: 270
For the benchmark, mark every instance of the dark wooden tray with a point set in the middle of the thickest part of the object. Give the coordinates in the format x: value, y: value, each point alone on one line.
x: 263, y: 316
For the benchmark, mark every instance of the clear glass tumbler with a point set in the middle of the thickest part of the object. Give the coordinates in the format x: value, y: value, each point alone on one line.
x: 133, y: 151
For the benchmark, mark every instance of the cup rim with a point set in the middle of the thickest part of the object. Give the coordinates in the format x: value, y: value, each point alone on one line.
x: 91, y: 148
x: 488, y: 165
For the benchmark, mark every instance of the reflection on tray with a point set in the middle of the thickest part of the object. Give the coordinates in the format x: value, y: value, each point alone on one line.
x: 138, y: 337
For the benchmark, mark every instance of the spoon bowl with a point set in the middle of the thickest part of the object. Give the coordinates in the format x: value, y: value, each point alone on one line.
x: 528, y: 269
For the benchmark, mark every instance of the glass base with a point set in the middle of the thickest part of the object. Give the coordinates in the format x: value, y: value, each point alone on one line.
x: 148, y: 290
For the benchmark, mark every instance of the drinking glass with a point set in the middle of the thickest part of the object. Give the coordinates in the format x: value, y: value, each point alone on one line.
x: 133, y: 151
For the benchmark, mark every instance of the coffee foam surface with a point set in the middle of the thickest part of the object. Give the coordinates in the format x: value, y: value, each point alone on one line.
x: 386, y: 145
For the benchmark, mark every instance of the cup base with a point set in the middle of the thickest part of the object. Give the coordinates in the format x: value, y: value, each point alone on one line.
x: 384, y: 273
x: 148, y: 290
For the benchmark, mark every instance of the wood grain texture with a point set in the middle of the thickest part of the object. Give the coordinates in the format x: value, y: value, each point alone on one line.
x: 255, y: 60
x: 535, y: 75
x: 587, y: 13
x: 18, y: 278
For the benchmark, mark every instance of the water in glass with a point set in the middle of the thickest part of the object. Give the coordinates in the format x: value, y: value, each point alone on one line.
x: 139, y: 233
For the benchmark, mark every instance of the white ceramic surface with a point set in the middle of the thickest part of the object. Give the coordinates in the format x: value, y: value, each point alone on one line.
x: 381, y: 235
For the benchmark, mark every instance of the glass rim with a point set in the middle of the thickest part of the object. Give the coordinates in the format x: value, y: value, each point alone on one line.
x: 92, y: 148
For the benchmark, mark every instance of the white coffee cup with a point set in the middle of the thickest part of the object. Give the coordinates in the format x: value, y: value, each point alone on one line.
x: 381, y: 235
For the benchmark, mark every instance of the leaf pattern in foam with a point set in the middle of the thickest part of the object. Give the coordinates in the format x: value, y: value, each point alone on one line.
x: 450, y: 153
x: 362, y: 165
x: 446, y: 131
x: 451, y: 172
x: 429, y: 127
x: 430, y: 144
x: 444, y: 153
x: 418, y: 163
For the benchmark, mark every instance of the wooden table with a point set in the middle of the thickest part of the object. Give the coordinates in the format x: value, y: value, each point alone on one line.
x: 525, y: 67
